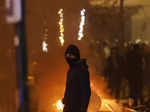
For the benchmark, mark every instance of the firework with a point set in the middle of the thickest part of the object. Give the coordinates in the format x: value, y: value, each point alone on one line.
x: 82, y: 23
x: 44, y: 46
x: 61, y: 27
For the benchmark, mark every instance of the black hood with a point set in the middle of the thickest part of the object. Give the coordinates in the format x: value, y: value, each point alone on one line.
x: 72, y: 49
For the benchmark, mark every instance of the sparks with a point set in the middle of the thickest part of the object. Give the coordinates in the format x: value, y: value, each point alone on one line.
x: 82, y: 23
x: 61, y: 26
x: 109, y: 107
x: 44, y: 46
x: 59, y: 105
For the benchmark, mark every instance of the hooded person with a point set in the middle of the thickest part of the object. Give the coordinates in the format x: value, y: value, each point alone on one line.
x: 78, y: 91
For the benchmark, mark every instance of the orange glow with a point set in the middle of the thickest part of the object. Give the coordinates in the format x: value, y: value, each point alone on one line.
x: 30, y: 78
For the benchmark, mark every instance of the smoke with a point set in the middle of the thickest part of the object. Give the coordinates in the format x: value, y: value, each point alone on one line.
x: 51, y: 68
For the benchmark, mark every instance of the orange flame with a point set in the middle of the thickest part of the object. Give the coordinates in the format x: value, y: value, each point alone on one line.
x: 59, y: 105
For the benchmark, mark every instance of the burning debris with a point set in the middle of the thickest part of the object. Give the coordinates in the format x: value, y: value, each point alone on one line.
x: 104, y: 105
x: 99, y: 103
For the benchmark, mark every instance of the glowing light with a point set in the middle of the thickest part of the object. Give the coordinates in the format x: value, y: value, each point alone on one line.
x: 82, y: 23
x: 107, y: 51
x: 61, y: 27
x: 30, y: 78
x: 59, y: 105
x: 146, y: 42
x: 130, y: 110
x: 138, y: 41
x: 44, y: 46
x: 109, y: 107
x: 16, y: 41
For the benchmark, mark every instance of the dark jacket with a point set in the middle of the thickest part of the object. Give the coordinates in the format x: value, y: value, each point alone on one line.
x: 78, y: 92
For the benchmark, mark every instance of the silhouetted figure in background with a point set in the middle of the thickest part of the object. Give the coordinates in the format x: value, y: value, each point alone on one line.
x: 77, y: 92
x: 135, y: 71
x: 113, y: 73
